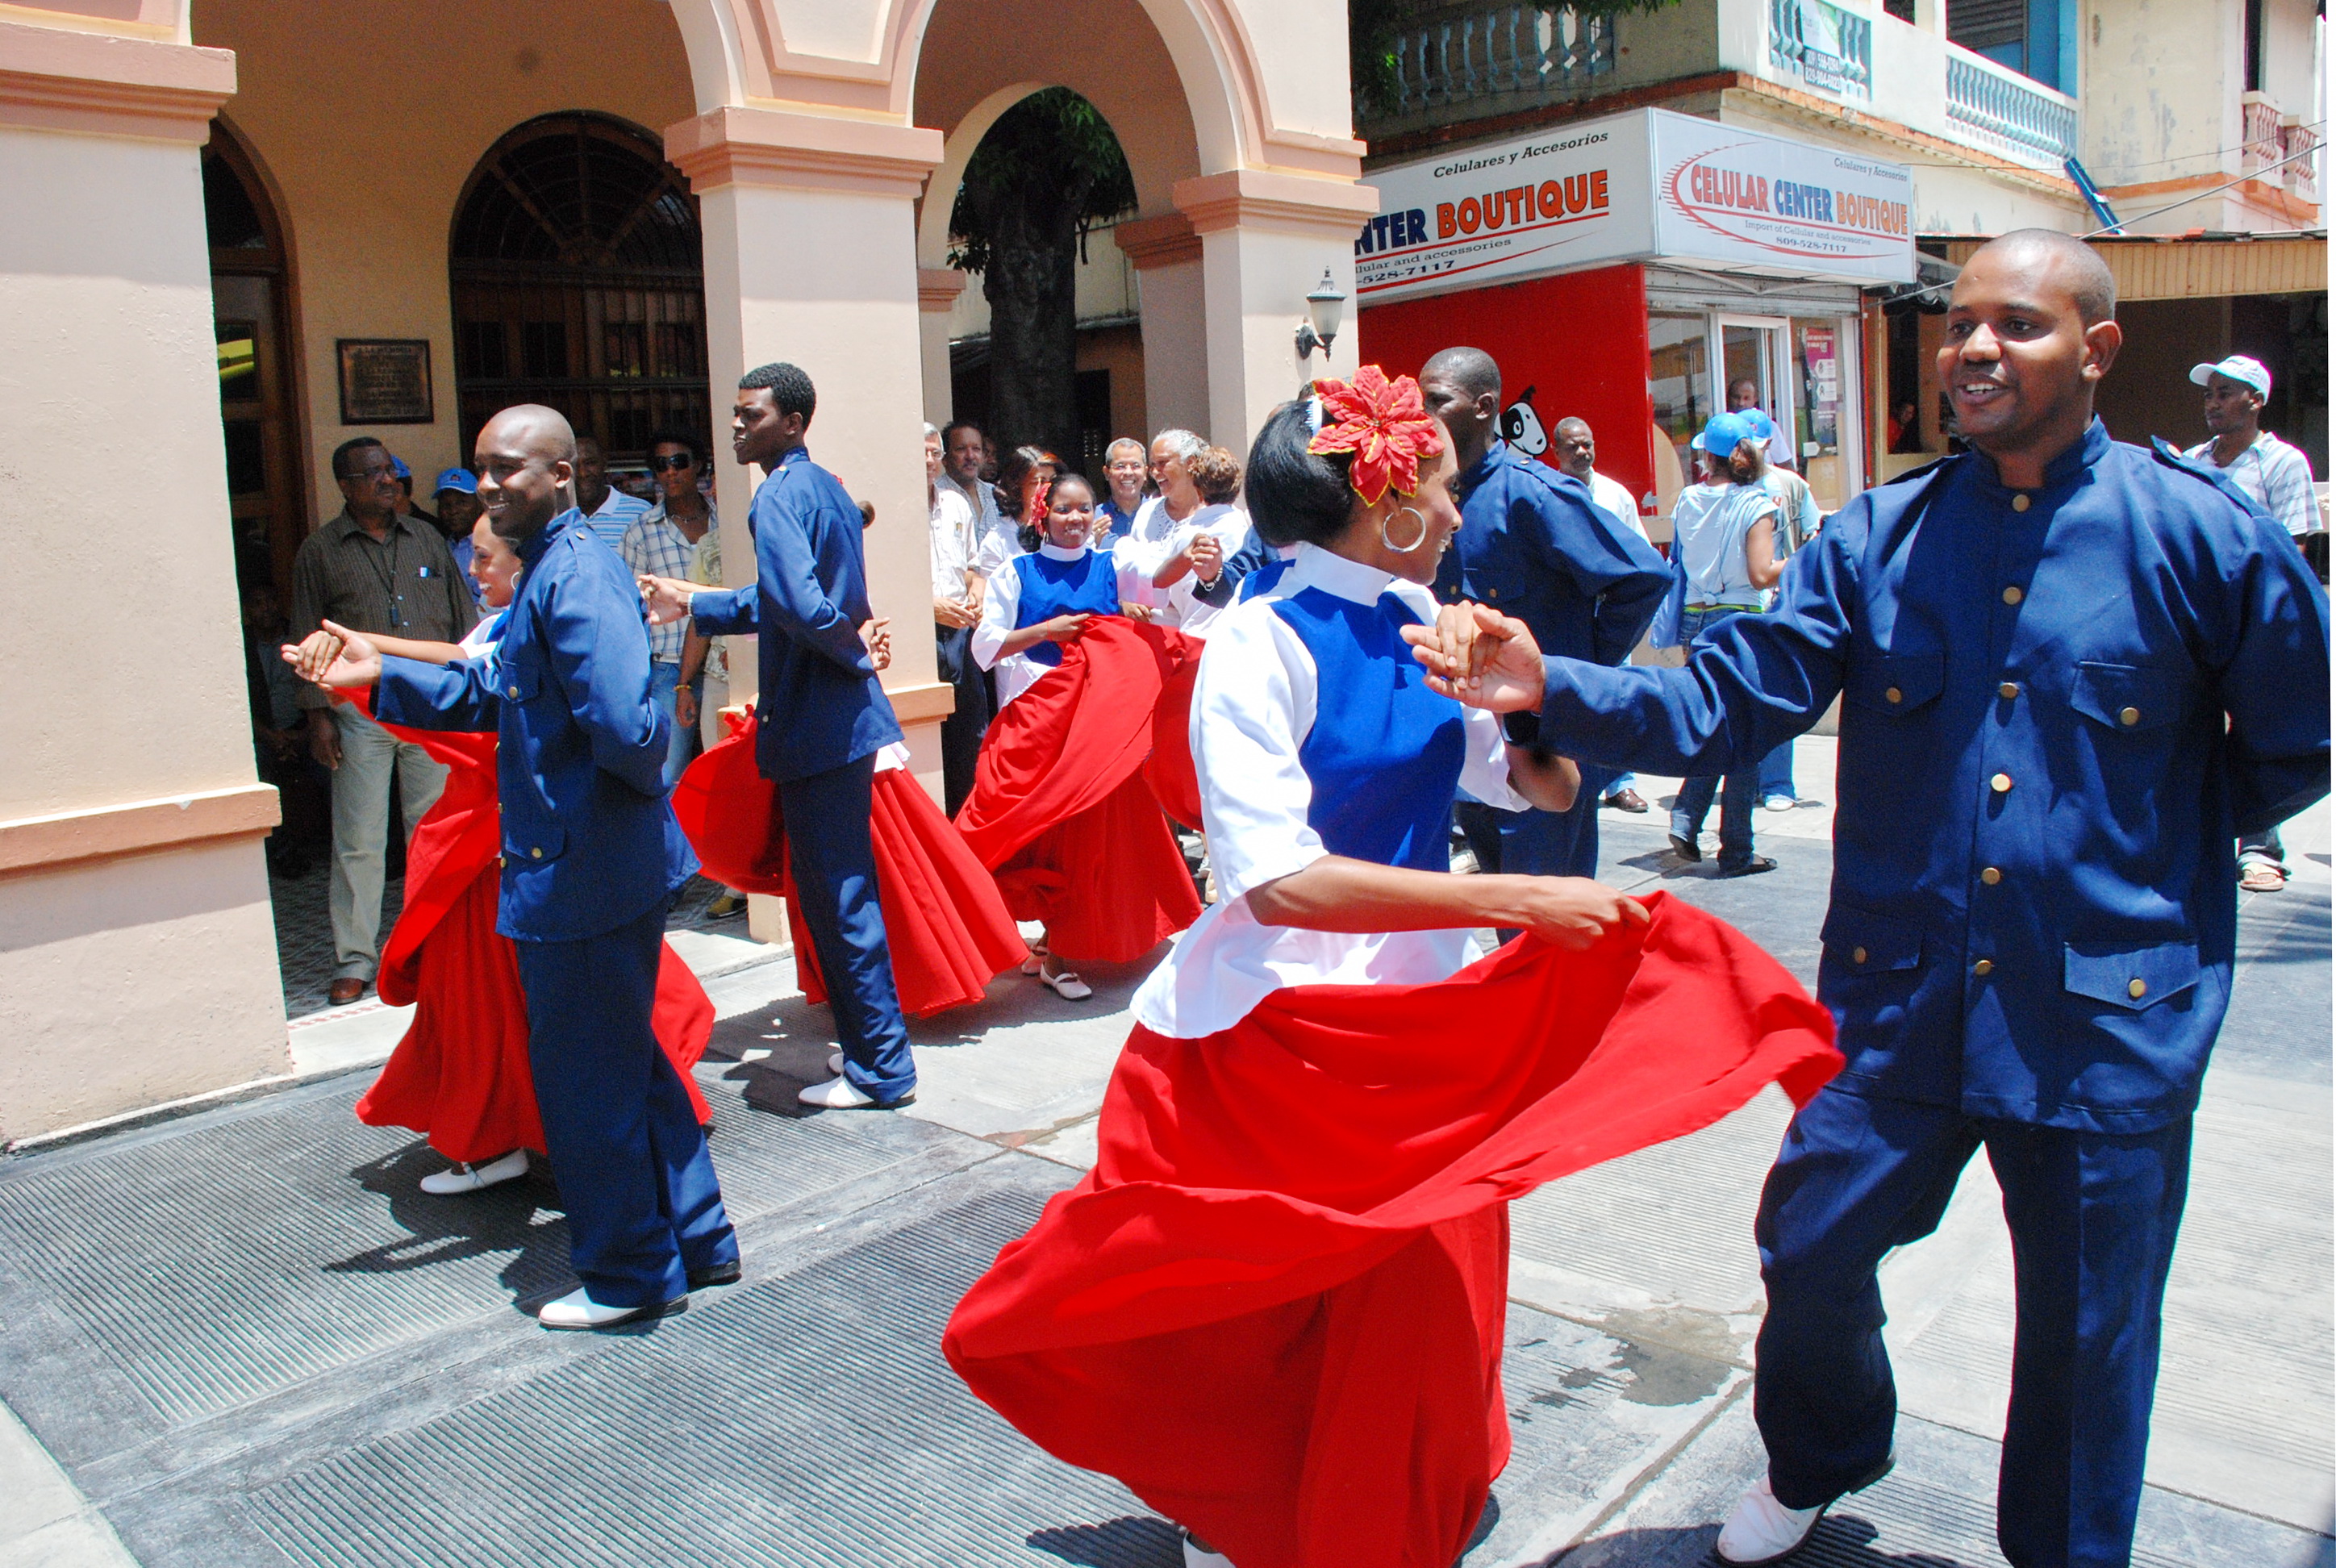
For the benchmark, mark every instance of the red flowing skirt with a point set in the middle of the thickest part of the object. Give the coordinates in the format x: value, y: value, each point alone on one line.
x: 1274, y: 1308
x: 947, y: 928
x: 459, y: 1075
x: 1066, y: 811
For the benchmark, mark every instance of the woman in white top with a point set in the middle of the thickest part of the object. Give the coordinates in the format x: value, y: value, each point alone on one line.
x: 1022, y: 478
x: 1724, y: 539
x: 1146, y: 546
x: 1193, y: 574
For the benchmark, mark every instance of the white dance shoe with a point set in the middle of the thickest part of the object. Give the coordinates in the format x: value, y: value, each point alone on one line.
x: 835, y: 1063
x: 840, y: 1093
x: 1763, y: 1530
x: 1066, y: 985
x: 1198, y: 1556
x: 577, y: 1310
x: 510, y: 1167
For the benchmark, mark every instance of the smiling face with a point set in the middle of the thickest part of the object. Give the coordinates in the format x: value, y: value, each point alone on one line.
x: 495, y: 564
x: 1070, y: 514
x: 1126, y: 469
x: 2019, y: 362
x: 526, y: 465
x: 1175, y: 477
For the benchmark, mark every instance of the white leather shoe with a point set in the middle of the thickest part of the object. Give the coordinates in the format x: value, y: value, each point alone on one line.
x: 840, y: 1093
x: 509, y: 1167
x: 835, y: 1063
x: 1763, y: 1530
x: 1198, y: 1556
x: 1066, y: 985
x: 578, y: 1310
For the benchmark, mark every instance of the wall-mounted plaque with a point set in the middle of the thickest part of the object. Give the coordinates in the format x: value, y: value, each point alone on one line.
x: 385, y: 381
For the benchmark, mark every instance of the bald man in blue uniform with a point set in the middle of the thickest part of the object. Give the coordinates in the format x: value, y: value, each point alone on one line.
x: 1533, y: 544
x: 591, y: 854
x: 822, y: 716
x: 2071, y: 672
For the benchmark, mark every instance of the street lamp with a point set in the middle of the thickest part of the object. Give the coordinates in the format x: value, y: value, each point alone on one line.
x: 1325, y: 308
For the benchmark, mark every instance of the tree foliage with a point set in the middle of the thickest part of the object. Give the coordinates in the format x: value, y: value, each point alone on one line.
x: 1046, y: 173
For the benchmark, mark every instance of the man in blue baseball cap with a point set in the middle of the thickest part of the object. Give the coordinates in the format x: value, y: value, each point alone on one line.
x: 457, y: 494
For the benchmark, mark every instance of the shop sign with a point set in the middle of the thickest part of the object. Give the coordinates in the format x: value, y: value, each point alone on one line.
x: 1646, y: 185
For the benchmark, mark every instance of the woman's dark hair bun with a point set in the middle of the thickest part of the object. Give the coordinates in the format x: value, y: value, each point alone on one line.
x: 1296, y: 496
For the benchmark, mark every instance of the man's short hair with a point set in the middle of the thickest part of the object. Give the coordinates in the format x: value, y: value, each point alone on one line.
x: 790, y: 389
x: 1471, y: 370
x: 675, y: 438
x: 2091, y: 285
x: 1573, y: 419
x: 1127, y: 441
x: 932, y: 431
x: 341, y: 469
x: 948, y: 430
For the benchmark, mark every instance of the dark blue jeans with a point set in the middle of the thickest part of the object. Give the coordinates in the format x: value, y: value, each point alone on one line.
x: 1738, y: 792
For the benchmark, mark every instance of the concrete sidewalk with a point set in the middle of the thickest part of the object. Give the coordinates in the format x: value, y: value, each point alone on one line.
x: 245, y: 1337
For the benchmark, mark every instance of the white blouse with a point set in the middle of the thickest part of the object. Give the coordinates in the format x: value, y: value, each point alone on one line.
x: 1016, y: 672
x: 1185, y: 609
x: 1252, y: 708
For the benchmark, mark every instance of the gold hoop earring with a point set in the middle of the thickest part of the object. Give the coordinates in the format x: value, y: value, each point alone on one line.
x: 1415, y: 544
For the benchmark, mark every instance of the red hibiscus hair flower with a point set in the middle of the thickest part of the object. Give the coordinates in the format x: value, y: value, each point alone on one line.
x: 1384, y: 423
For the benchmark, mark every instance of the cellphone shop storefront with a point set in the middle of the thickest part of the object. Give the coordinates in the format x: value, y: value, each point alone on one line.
x: 1631, y: 270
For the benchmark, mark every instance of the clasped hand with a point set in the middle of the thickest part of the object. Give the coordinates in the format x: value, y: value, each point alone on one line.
x: 667, y: 597
x: 1481, y: 657
x: 333, y: 656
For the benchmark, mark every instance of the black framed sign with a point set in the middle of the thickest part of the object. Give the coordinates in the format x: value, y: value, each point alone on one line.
x: 385, y: 381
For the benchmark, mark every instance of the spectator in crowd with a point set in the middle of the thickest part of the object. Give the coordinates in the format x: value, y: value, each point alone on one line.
x: 2276, y: 477
x: 1797, y: 522
x: 405, y: 507
x: 965, y: 458
x: 373, y: 571
x: 1744, y: 397
x: 957, y: 599
x: 1905, y: 430
x: 1197, y: 578
x: 1144, y: 549
x: 609, y: 510
x: 663, y: 542
x: 706, y: 669
x: 1126, y: 472
x: 1535, y: 544
x: 457, y: 509
x: 1577, y: 454
x: 1725, y: 542
x: 279, y: 728
x: 1023, y: 478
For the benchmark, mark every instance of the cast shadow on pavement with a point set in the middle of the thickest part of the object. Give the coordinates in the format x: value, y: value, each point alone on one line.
x: 519, y: 1217
x: 1135, y: 1541
x: 1842, y: 1541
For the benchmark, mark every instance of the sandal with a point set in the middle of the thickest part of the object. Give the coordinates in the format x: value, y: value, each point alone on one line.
x: 1036, y: 960
x: 2262, y: 877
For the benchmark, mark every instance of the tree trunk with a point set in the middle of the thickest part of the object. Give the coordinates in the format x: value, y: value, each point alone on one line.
x: 1030, y: 284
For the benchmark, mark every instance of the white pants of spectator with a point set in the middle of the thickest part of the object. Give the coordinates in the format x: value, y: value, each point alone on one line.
x: 369, y: 753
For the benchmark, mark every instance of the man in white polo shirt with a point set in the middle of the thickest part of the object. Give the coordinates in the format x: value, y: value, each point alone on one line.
x: 2276, y: 477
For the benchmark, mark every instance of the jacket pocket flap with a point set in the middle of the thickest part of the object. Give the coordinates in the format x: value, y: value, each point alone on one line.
x: 2124, y: 697
x: 1870, y: 943
x: 1898, y: 682
x: 532, y: 842
x: 2130, y: 978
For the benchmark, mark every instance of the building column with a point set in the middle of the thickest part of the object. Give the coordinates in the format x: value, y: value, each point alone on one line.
x: 1167, y: 256
x: 137, y: 943
x: 810, y: 246
x: 1265, y: 238
x: 937, y: 291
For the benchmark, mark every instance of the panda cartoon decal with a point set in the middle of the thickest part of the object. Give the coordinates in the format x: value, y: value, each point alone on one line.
x: 1520, y: 427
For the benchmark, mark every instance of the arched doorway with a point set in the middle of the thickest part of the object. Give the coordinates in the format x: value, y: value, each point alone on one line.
x: 577, y: 283
x: 248, y: 308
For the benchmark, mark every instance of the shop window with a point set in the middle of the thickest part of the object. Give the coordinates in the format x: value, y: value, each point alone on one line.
x: 1822, y: 405
x: 1679, y: 379
x: 577, y: 283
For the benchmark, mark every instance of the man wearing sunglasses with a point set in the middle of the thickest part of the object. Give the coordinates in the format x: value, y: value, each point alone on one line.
x: 663, y: 542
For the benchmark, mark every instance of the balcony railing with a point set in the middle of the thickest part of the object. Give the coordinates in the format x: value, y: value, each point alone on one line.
x: 2000, y: 107
x: 1497, y: 56
x: 2303, y: 175
x: 1828, y: 48
x: 2258, y: 139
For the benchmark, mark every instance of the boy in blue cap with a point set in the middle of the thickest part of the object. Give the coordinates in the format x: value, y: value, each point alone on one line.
x: 2072, y: 671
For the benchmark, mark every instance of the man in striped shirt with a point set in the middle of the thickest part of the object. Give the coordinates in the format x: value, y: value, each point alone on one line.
x: 2278, y: 478
x: 608, y: 510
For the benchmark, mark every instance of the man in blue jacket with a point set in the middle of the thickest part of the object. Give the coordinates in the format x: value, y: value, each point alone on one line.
x: 592, y: 853
x: 1533, y: 544
x: 823, y: 716
x: 2072, y: 671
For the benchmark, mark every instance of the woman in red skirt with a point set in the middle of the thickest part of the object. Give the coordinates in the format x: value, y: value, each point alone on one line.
x: 459, y: 1075
x: 1060, y: 811
x: 1275, y: 1308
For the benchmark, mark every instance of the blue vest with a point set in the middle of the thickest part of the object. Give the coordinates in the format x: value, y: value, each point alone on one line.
x: 1089, y: 585
x: 1383, y: 753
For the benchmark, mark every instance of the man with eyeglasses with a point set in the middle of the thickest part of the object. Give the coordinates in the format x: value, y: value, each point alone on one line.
x: 663, y: 542
x: 372, y: 570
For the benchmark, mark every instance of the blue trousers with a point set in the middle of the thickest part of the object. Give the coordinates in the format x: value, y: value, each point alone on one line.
x: 2093, y: 1218
x: 1536, y: 843
x: 643, y: 1205
x: 1738, y: 793
x: 1777, y: 774
x: 835, y: 873
x: 969, y: 721
x: 664, y: 680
